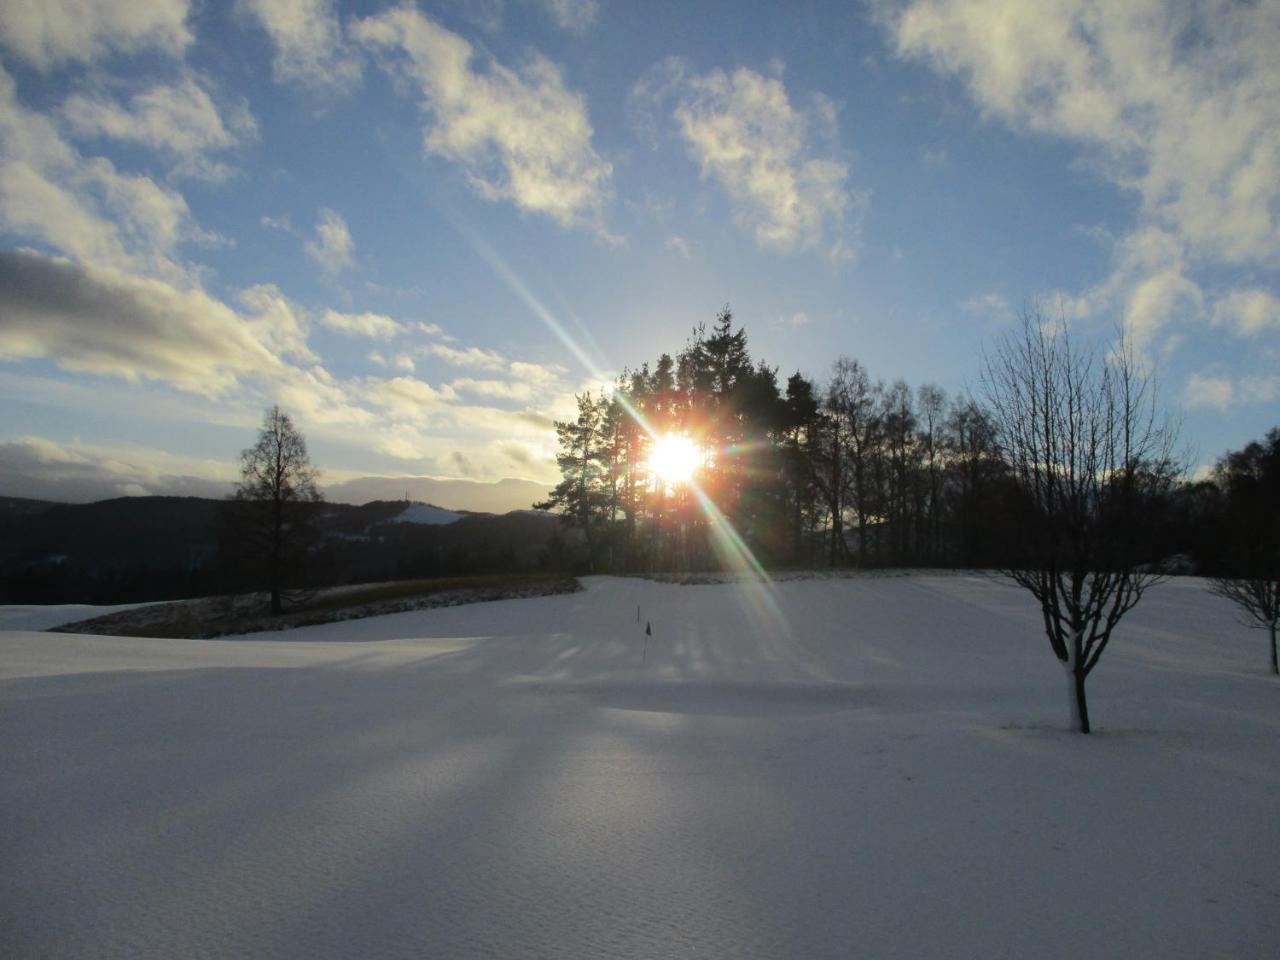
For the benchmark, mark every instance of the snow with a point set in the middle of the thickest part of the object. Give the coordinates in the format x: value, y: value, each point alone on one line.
x: 425, y: 513
x: 874, y: 766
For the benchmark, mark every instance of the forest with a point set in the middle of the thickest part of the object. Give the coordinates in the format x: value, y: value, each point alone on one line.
x: 850, y: 471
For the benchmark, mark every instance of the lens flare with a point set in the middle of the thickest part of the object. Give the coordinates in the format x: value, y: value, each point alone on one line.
x: 674, y: 459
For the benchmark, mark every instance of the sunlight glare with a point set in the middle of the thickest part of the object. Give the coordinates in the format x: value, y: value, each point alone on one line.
x: 674, y: 458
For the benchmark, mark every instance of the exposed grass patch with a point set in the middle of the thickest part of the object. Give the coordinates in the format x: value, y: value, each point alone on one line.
x: 210, y: 617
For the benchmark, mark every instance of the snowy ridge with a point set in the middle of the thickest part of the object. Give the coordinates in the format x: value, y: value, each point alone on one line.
x: 871, y: 767
x: 426, y: 513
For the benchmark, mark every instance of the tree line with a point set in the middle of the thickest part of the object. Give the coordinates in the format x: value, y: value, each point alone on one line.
x: 850, y: 471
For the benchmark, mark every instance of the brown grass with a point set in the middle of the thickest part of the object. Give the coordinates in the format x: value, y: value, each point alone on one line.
x: 249, y: 613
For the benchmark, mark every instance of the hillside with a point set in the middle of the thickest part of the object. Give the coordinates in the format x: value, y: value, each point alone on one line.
x: 155, y: 548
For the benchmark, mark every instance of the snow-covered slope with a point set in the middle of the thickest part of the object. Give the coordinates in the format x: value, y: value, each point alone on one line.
x: 872, y: 767
x: 425, y: 513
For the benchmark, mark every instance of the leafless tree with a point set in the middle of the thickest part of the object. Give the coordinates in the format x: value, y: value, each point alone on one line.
x: 269, y: 519
x: 1089, y: 453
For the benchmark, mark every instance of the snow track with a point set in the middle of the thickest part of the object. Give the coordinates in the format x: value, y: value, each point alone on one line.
x: 872, y: 767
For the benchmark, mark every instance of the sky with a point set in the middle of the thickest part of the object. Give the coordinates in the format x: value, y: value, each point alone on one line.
x: 421, y: 228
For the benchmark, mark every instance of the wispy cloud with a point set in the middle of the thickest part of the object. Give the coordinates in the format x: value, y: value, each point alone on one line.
x: 1217, y: 391
x: 375, y: 325
x: 989, y: 306
x: 519, y: 134
x: 469, y: 357
x: 781, y: 166
x: 309, y: 46
x: 178, y: 119
x: 331, y: 246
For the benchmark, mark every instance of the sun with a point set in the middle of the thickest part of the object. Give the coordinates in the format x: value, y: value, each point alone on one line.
x: 674, y: 458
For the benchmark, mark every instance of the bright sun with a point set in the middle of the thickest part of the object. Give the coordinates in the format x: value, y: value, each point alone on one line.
x: 674, y: 458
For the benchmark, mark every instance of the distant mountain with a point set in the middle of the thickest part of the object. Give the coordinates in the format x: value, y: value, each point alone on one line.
x: 154, y: 548
x: 476, y: 496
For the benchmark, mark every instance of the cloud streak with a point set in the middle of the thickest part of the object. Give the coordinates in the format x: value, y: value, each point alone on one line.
x: 519, y: 134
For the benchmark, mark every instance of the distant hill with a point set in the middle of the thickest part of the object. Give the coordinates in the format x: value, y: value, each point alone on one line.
x: 476, y: 496
x: 154, y: 548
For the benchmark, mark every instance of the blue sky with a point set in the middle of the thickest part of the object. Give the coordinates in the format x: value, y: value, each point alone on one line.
x: 422, y: 227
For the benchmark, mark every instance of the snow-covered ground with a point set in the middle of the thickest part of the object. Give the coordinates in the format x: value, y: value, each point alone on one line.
x: 426, y: 513
x: 867, y: 767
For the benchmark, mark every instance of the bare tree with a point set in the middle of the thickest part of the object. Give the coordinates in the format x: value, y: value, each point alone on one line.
x: 269, y: 517
x: 1250, y: 478
x: 1089, y: 454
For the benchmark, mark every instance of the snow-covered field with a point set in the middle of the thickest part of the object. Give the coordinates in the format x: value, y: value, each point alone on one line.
x: 866, y: 767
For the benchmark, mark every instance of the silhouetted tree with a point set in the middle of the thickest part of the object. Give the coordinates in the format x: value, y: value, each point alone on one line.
x: 1250, y: 480
x: 269, y: 509
x: 1082, y: 439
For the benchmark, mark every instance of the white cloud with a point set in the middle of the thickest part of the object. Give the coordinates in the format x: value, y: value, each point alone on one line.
x: 408, y: 398
x: 430, y: 329
x: 780, y: 165
x: 45, y: 33
x: 1219, y: 392
x: 573, y: 15
x: 470, y: 357
x: 332, y: 246
x: 520, y: 135
x: 309, y: 47
x: 276, y: 322
x: 402, y: 361
x: 1208, y: 390
x: 1248, y: 312
x: 85, y: 207
x: 180, y: 119
x: 539, y: 374
x: 989, y: 306
x: 497, y: 389
x: 375, y: 325
x: 1179, y: 103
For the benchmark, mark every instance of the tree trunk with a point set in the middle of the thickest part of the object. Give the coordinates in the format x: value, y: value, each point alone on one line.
x: 1076, y: 698
x: 1274, y: 667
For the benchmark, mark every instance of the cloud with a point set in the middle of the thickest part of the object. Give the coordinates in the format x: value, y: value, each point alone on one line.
x: 408, y: 398
x: 332, y: 246
x: 989, y: 306
x: 1215, y: 391
x: 794, y: 321
x: 101, y: 320
x: 179, y: 119
x: 309, y: 47
x: 1179, y: 103
x: 470, y: 357
x: 576, y: 16
x: 520, y: 135
x: 77, y: 472
x: 497, y: 389
x: 781, y: 166
x: 680, y: 245
x: 82, y: 206
x: 276, y: 322
x: 1207, y: 390
x: 374, y: 325
x: 1248, y: 312
x: 45, y: 33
